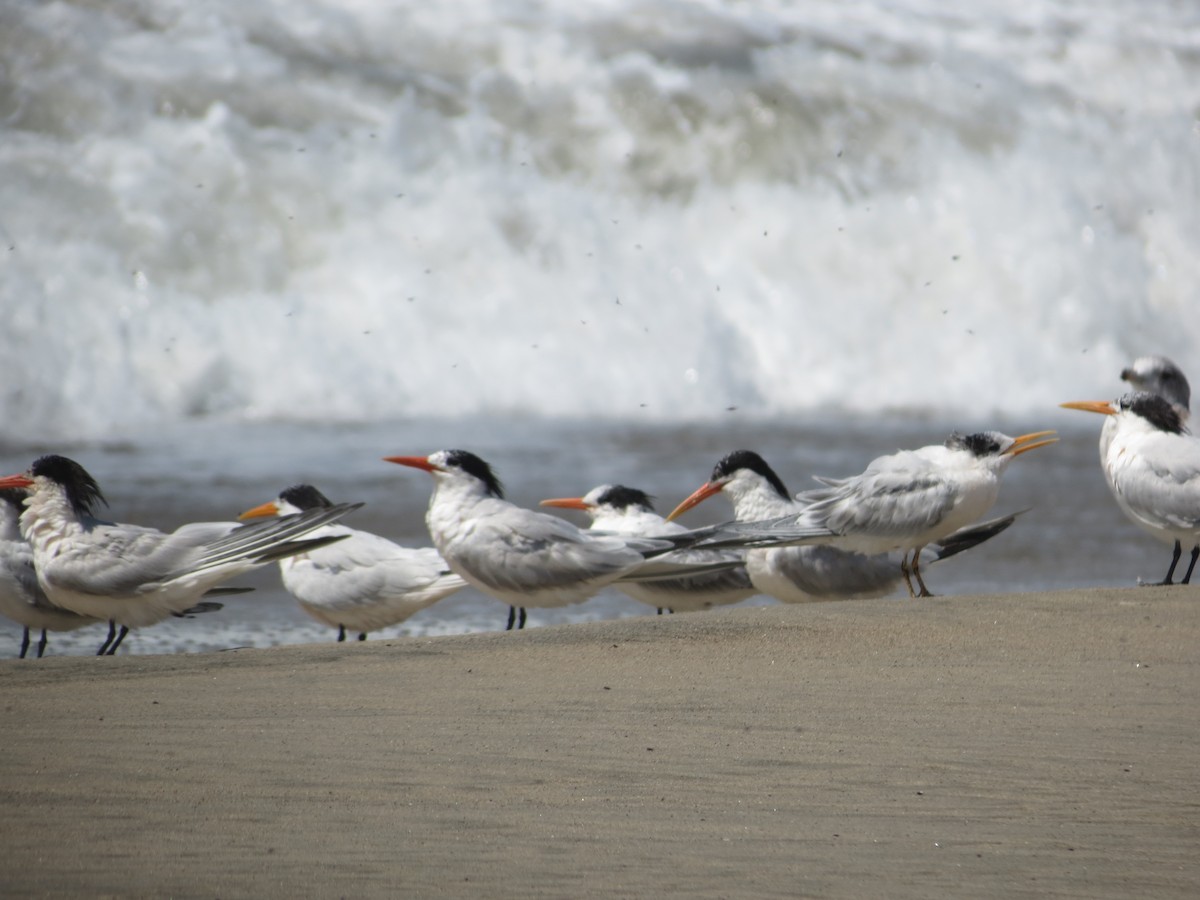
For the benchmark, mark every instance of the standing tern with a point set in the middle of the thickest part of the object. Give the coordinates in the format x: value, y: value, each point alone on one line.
x: 134, y: 576
x: 21, y: 597
x: 907, y: 500
x: 364, y: 582
x: 812, y: 573
x: 1152, y: 464
x: 523, y: 557
x: 624, y: 510
x: 1156, y: 375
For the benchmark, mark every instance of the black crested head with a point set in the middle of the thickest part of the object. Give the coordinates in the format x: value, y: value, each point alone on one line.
x: 81, y: 489
x: 305, y: 496
x: 473, y: 465
x: 1156, y: 410
x: 981, y: 443
x: 620, y: 497
x: 748, y: 459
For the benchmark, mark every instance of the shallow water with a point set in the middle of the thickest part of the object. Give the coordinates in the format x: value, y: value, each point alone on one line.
x: 246, y: 243
x: 1072, y: 536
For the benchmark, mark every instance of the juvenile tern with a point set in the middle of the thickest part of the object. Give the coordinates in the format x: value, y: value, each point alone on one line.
x: 1152, y: 464
x: 133, y: 576
x: 522, y: 557
x: 906, y: 500
x: 812, y: 573
x: 617, y: 509
x: 364, y: 582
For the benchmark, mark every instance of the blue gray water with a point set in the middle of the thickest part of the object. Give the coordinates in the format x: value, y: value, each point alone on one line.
x: 1072, y: 536
x: 245, y: 243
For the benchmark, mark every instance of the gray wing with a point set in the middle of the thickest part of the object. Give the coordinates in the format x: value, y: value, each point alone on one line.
x: 366, y: 569
x: 783, y: 531
x: 972, y: 535
x: 827, y: 573
x: 125, y: 560
x: 1165, y: 488
x: 21, y: 596
x: 730, y: 578
x: 117, y: 561
x: 520, y: 550
x: 886, y: 500
x: 267, y: 540
x: 18, y: 576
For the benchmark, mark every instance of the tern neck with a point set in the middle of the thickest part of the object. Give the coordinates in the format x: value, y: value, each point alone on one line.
x: 50, y: 516
x: 753, y: 498
x: 633, y: 521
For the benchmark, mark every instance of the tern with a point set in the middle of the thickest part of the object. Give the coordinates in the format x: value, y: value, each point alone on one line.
x: 21, y: 597
x: 906, y: 500
x: 1158, y: 375
x: 527, y: 558
x: 1155, y: 375
x: 813, y: 573
x: 363, y: 582
x: 133, y: 576
x: 1152, y: 464
x: 618, y: 509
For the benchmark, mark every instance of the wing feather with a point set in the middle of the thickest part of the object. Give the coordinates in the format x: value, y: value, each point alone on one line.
x: 1166, y: 491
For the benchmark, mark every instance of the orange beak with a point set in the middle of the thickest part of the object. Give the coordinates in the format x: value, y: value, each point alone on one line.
x: 565, y: 503
x: 1103, y: 407
x: 16, y: 481
x: 1027, y: 442
x: 701, y: 494
x: 267, y: 509
x: 414, y: 462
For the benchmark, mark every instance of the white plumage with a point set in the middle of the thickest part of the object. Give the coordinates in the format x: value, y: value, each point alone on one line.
x: 364, y: 582
x: 906, y: 500
x: 811, y: 573
x: 1152, y: 465
x: 21, y: 597
x: 130, y: 575
x: 519, y: 556
x: 618, y: 509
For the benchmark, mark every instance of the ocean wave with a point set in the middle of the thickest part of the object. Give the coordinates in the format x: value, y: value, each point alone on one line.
x: 261, y: 210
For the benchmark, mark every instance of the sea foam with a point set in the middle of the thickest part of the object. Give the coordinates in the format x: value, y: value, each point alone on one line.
x: 313, y: 210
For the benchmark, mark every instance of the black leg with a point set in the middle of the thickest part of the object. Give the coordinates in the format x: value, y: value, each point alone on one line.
x: 341, y: 633
x: 120, y: 637
x: 24, y: 643
x: 660, y: 610
x: 1187, y: 579
x: 42, y: 644
x: 907, y: 577
x: 512, y: 618
x: 521, y: 619
x: 362, y: 636
x: 112, y: 633
x: 1174, y: 562
x: 916, y: 570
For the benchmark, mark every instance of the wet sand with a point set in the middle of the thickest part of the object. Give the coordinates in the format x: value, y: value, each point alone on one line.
x: 997, y: 746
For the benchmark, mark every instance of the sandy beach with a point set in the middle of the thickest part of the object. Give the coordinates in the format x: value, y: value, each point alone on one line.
x: 995, y: 746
